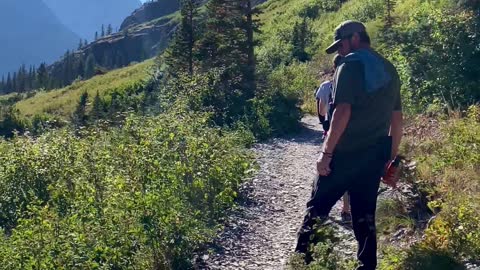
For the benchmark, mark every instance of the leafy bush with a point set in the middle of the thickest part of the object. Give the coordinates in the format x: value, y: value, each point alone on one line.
x: 455, y: 165
x: 325, y: 256
x: 439, y: 48
x: 11, y: 122
x: 450, y: 164
x: 314, y: 8
x: 419, y: 258
x: 142, y: 196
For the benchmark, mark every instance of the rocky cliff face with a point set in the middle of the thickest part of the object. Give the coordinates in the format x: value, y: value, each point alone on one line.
x: 150, y: 11
x: 134, y: 44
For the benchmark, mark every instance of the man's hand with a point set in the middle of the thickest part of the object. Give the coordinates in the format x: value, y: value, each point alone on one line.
x: 323, y: 164
x: 321, y: 119
x: 326, y: 125
x: 391, y: 175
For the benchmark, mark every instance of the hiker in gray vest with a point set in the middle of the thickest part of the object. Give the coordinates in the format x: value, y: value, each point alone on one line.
x: 324, y: 98
x: 364, y: 136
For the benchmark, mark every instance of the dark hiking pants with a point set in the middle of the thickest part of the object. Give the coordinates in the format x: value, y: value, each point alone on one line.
x: 358, y: 173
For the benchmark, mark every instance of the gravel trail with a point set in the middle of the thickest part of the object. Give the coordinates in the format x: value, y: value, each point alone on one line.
x: 261, y: 233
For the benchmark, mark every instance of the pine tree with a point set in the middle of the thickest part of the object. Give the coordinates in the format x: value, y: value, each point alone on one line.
x: 109, y: 29
x: 90, y: 66
x: 14, y: 82
x: 9, y: 84
x: 67, y: 69
x: 80, y: 45
x: 250, y: 28
x: 80, y: 68
x: 79, y: 117
x: 42, y: 80
x: 2, y: 85
x: 97, y: 108
x: 388, y: 18
x: 227, y: 45
x: 96, y: 35
x: 21, y: 79
x: 387, y: 35
x: 103, y: 31
x: 32, y: 76
x: 85, y: 43
x: 179, y: 55
x: 28, y: 80
x: 300, y: 37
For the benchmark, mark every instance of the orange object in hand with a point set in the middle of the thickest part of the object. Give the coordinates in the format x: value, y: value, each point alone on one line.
x: 392, y: 173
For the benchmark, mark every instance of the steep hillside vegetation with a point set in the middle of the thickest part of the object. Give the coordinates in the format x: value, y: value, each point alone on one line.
x: 31, y: 34
x: 61, y: 102
x: 416, y: 41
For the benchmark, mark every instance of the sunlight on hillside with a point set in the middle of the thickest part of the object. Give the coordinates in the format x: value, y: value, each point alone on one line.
x: 62, y: 102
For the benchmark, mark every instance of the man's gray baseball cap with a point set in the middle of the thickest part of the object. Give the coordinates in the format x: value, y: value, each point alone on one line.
x: 345, y: 30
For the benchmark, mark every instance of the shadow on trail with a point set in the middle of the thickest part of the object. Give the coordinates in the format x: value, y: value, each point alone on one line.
x: 309, y: 132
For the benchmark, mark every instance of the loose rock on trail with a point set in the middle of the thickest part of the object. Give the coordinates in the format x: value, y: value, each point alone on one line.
x: 261, y: 233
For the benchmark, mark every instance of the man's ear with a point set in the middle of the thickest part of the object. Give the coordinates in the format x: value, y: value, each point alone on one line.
x: 355, y: 39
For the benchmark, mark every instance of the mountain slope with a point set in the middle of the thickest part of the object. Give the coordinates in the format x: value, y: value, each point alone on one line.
x: 61, y: 102
x: 85, y: 17
x: 31, y: 34
x: 150, y: 11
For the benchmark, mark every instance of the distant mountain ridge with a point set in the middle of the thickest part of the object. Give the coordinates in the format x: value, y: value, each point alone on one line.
x: 31, y: 33
x: 84, y: 17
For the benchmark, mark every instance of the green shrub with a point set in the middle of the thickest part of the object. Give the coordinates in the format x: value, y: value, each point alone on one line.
x: 451, y: 166
x: 142, y: 196
x: 439, y: 56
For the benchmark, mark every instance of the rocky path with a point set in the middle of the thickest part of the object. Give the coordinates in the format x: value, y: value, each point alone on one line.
x: 261, y: 232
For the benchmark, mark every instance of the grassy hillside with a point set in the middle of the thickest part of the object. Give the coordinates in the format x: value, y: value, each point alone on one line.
x: 62, y: 102
x: 416, y: 42
x: 278, y: 19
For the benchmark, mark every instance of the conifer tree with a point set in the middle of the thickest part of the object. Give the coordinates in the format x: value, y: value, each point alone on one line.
x: 42, y: 76
x: 80, y: 68
x: 9, y: 84
x: 300, y: 37
x: 109, y: 29
x: 2, y: 85
x: 97, y: 108
x: 179, y: 55
x: 388, y: 18
x: 31, y: 78
x: 227, y: 44
x: 387, y: 33
x: 96, y: 35
x: 250, y: 28
x: 79, y: 117
x: 90, y: 66
x: 103, y: 31
x: 14, y: 82
x: 21, y: 79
